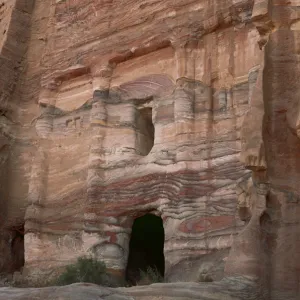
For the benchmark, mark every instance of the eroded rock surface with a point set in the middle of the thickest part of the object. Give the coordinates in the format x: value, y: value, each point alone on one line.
x: 189, y: 111
x: 137, y: 115
x: 230, y: 289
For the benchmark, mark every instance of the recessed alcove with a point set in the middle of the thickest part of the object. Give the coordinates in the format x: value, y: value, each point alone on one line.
x: 17, y: 248
x: 145, y: 130
x: 146, y: 248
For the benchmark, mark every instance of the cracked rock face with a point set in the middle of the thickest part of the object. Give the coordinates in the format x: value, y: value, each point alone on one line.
x: 189, y: 111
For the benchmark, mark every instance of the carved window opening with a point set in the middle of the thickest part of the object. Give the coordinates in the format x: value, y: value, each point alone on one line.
x: 75, y: 122
x: 146, y: 250
x: 145, y: 131
x: 69, y: 123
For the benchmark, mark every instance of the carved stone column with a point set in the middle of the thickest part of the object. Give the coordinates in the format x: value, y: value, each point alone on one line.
x: 98, y: 122
x: 44, y: 123
x: 105, y: 237
x: 245, y: 255
x: 34, y: 212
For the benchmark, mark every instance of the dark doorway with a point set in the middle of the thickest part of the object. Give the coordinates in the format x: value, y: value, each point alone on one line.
x: 17, y: 247
x: 146, y: 249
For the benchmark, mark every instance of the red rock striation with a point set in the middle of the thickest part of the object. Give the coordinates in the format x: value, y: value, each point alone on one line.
x: 184, y: 109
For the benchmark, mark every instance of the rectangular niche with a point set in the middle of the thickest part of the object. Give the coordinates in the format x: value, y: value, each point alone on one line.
x: 145, y: 131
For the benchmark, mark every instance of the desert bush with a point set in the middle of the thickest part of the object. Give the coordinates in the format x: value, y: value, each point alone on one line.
x: 85, y: 270
x: 151, y: 275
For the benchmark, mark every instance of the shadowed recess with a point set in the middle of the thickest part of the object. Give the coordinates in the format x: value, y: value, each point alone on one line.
x: 16, y: 261
x: 145, y: 132
x: 146, y: 248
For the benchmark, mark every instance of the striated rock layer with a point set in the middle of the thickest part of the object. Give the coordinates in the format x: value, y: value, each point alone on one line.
x: 188, y: 111
x: 151, y: 124
x: 235, y: 288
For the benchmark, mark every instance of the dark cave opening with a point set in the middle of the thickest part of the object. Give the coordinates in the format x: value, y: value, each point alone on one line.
x: 17, y: 248
x: 146, y: 248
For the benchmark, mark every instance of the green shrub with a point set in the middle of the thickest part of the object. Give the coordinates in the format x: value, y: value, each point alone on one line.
x: 151, y: 275
x: 85, y: 270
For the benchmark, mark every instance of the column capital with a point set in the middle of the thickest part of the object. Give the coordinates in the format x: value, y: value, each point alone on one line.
x: 101, y: 75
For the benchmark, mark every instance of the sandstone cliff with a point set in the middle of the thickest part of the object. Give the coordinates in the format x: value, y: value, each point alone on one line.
x: 187, y: 110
